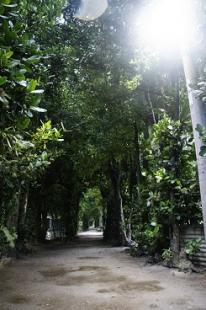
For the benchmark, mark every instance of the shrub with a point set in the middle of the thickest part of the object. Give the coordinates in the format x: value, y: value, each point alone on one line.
x: 167, y: 255
x: 192, y: 247
x: 7, y: 240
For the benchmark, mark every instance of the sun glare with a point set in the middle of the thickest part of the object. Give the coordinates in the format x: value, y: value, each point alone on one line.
x: 167, y: 24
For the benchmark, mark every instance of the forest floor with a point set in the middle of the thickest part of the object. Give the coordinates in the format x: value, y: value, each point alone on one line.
x: 89, y: 275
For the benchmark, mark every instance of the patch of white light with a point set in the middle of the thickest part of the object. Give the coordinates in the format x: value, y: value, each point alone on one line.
x: 61, y: 20
x: 167, y: 25
x: 91, y: 9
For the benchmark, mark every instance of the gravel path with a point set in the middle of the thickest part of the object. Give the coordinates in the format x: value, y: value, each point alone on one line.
x: 88, y: 275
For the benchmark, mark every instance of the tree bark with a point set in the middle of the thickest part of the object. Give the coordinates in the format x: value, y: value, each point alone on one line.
x: 175, y: 233
x: 134, y: 180
x: 71, y: 214
x: 175, y: 243
x: 198, y: 116
x: 150, y: 103
x: 23, y: 202
x: 115, y: 228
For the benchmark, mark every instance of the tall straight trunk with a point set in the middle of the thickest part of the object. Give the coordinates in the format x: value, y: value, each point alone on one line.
x: 137, y: 155
x: 41, y: 223
x: 38, y: 224
x: 105, y: 191
x: 23, y: 203
x: 198, y: 116
x: 115, y: 227
x: 71, y: 214
x: 134, y: 179
x: 150, y: 103
x: 175, y: 244
x: 175, y: 233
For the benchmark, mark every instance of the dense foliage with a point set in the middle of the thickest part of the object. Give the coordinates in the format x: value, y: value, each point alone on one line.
x: 85, y: 112
x: 91, y: 213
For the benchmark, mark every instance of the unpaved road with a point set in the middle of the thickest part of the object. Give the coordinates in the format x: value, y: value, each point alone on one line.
x: 87, y: 275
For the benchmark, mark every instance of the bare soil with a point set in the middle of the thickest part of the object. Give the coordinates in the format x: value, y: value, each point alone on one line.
x: 89, y: 275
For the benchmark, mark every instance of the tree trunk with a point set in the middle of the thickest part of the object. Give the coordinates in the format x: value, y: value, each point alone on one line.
x: 71, y: 214
x: 198, y: 116
x: 134, y: 180
x: 150, y: 103
x: 41, y: 221
x: 175, y: 244
x: 115, y: 227
x: 23, y: 202
x: 174, y: 235
x: 38, y: 228
x: 105, y: 191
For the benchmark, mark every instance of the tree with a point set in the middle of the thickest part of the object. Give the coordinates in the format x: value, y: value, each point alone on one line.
x: 198, y: 116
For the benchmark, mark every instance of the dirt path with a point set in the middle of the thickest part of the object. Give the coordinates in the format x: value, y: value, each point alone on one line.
x: 88, y: 275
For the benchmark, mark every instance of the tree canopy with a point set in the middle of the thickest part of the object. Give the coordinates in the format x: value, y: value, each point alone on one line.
x: 91, y: 125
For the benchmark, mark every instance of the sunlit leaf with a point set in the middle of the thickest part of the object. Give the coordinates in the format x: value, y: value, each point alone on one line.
x: 3, y: 80
x: 38, y: 91
x: 37, y: 109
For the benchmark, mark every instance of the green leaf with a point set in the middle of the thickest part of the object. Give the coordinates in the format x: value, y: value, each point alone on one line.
x: 35, y: 100
x: 3, y: 80
x: 9, y: 54
x: 32, y: 85
x: 10, y: 5
x: 38, y: 91
x: 32, y: 60
x: 5, y: 1
x: 13, y: 14
x: 37, y: 109
x: 14, y: 63
x: 3, y: 17
x: 10, y: 237
x: 23, y: 122
x: 26, y: 144
x: 22, y: 83
x: 29, y: 114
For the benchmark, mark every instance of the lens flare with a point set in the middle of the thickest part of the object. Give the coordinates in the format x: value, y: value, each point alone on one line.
x: 91, y: 9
